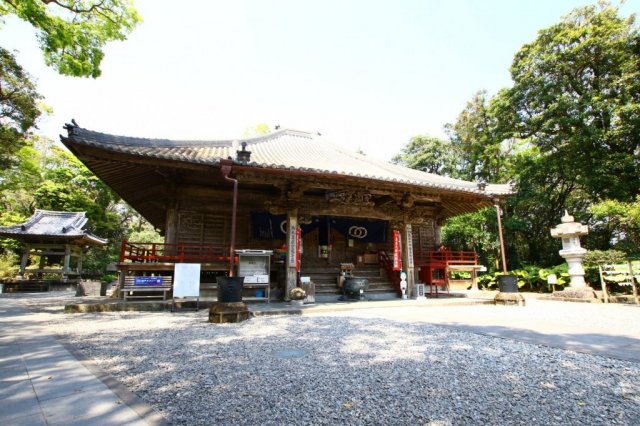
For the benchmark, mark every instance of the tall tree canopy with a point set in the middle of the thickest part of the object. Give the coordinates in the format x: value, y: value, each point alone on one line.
x: 483, y: 149
x: 72, y: 33
x: 567, y: 133
x: 19, y: 108
x: 576, y: 95
x: 429, y: 154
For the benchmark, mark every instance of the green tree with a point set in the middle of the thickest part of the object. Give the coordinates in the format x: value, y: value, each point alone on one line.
x: 73, y: 33
x: 429, y: 154
x: 484, y: 146
x: 69, y: 186
x: 475, y: 231
x: 259, y: 129
x: 576, y: 95
x: 18, y: 108
x: 621, y: 221
x: 48, y: 177
x: 546, y: 187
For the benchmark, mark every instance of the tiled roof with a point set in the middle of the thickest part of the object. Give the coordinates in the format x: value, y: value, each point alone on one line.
x: 283, y: 149
x: 52, y: 224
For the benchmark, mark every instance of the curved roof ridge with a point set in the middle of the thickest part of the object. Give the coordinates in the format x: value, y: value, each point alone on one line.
x: 52, y: 224
x: 284, y: 149
x: 112, y: 139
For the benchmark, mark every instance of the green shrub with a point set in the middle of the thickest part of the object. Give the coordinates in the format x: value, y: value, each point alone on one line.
x: 107, y: 278
x: 8, y: 265
x: 603, y: 257
x: 593, y: 258
x: 530, y: 278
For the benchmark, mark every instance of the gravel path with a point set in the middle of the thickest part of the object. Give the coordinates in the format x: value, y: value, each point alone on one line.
x: 345, y: 369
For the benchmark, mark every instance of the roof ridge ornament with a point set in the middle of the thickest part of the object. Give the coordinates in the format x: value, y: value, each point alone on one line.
x: 243, y: 156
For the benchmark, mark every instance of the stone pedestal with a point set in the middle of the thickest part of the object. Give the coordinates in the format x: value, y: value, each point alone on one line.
x: 228, y: 312
x: 310, y: 289
x: 585, y: 293
x: 508, y: 295
x: 509, y: 299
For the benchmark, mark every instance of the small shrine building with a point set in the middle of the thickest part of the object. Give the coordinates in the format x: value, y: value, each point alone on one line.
x: 58, y: 239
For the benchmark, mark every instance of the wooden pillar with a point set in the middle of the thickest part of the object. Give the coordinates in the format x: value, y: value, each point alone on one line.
x: 25, y: 259
x: 171, y: 224
x: 407, y: 257
x: 438, y: 231
x: 290, y: 266
x: 80, y: 256
x: 67, y: 260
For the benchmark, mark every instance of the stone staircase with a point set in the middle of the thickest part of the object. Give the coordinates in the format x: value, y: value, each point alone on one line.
x: 325, y: 279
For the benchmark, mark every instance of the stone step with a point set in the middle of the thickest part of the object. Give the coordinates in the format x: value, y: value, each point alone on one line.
x: 374, y: 290
x: 333, y: 282
x: 375, y: 287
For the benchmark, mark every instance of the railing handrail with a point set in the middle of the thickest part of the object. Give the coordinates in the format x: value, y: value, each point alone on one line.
x: 447, y: 257
x: 394, y: 276
x: 142, y: 252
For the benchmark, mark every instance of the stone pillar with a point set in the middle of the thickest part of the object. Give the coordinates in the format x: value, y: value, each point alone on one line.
x: 407, y: 257
x: 290, y: 263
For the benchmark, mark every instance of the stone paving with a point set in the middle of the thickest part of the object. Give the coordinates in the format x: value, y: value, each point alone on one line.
x: 43, y: 382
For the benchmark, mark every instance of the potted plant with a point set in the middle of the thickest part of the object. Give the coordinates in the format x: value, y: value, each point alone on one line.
x: 297, y: 295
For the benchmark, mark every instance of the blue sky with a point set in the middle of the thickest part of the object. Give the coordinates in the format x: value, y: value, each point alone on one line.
x: 366, y: 74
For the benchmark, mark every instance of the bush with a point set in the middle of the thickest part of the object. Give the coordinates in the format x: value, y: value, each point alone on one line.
x: 603, y: 257
x: 8, y: 265
x: 530, y: 278
x: 593, y: 258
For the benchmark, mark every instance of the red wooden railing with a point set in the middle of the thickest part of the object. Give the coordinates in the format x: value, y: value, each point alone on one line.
x: 173, y: 253
x: 387, y: 264
x: 434, y: 264
x: 447, y: 257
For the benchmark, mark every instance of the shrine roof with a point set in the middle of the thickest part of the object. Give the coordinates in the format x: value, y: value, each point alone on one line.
x: 52, y: 226
x: 284, y: 150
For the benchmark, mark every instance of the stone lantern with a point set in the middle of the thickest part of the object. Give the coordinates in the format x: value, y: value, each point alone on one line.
x: 570, y: 231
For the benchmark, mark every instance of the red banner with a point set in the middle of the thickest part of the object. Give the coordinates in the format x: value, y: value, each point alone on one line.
x: 397, y: 260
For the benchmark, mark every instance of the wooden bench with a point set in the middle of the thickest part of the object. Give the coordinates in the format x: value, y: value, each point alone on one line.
x: 130, y: 287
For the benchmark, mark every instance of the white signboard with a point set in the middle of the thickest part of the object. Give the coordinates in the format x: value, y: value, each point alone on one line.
x: 186, y: 280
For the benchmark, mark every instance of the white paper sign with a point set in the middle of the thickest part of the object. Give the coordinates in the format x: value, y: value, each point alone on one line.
x: 186, y: 280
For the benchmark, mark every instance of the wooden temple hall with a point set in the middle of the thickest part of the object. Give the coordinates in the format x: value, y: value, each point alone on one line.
x: 316, y: 207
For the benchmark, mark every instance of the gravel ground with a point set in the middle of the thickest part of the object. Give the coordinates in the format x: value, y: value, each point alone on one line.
x: 346, y: 369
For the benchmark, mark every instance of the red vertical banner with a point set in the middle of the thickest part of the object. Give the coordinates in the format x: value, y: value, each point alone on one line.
x: 397, y: 259
x: 298, y: 248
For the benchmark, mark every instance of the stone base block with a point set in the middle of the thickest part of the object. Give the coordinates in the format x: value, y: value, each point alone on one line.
x: 581, y: 293
x: 228, y: 312
x: 509, y: 299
